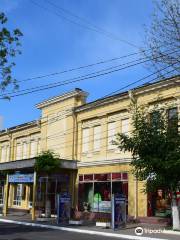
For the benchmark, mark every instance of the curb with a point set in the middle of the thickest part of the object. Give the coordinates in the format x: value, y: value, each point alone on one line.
x: 90, y: 232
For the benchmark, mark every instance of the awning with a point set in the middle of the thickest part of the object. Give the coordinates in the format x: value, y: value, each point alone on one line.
x: 29, y: 164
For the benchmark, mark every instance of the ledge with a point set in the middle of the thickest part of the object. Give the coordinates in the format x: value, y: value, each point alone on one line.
x: 29, y: 163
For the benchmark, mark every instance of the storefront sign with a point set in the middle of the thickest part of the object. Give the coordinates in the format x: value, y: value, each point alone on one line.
x: 118, y: 211
x: 64, y: 208
x: 21, y: 178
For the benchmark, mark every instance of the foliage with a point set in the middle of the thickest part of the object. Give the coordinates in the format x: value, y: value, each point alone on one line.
x: 162, y: 38
x: 9, y: 48
x: 47, y: 162
x: 155, y: 146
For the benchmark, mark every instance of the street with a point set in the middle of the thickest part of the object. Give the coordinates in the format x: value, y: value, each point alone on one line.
x: 19, y: 232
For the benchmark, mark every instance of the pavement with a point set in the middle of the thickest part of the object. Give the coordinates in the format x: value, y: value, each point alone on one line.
x: 21, y: 228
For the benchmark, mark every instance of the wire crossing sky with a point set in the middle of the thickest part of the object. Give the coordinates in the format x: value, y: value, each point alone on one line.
x: 52, y: 44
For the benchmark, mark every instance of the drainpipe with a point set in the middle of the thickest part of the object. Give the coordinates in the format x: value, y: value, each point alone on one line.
x: 136, y: 198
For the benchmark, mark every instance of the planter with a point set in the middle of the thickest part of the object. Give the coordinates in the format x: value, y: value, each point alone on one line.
x: 103, y: 224
x: 75, y: 222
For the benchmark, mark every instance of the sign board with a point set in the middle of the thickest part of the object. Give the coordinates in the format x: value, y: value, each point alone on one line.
x: 64, y: 208
x: 118, y: 211
x: 21, y: 178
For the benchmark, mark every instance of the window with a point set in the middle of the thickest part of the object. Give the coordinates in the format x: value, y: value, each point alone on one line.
x: 33, y: 149
x: 18, y: 191
x: 173, y: 118
x: 125, y: 126
x: 95, y: 190
x: 97, y: 138
x: 7, y: 153
x: 85, y: 140
x: 3, y: 153
x: 1, y: 193
x: 111, y: 134
x: 18, y: 151
x: 25, y: 153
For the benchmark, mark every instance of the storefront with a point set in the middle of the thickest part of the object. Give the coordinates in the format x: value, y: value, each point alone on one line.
x: 95, y: 190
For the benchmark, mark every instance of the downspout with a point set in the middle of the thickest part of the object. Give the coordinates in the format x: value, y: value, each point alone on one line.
x: 133, y: 101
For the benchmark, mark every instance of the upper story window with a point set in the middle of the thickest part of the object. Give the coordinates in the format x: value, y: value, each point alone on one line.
x: 111, y: 134
x: 125, y: 126
x: 5, y: 153
x: 25, y: 150
x: 33, y: 148
x: 85, y: 140
x: 97, y: 138
x: 173, y: 118
x: 19, y: 151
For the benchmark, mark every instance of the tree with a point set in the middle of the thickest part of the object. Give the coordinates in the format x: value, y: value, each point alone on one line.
x: 162, y: 38
x: 9, y: 48
x: 155, y: 146
x: 47, y: 163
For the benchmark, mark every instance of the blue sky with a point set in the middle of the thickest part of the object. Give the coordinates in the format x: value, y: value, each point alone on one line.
x: 52, y: 44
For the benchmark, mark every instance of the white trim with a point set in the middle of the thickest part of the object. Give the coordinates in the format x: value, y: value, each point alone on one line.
x: 103, y: 162
x: 83, y: 231
x: 61, y: 98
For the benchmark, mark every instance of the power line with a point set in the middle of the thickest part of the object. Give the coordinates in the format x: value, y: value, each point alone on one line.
x: 72, y: 80
x: 78, y: 68
x: 95, y: 29
x: 104, y: 112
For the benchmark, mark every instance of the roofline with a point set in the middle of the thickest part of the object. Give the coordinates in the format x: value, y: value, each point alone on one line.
x: 62, y: 97
x: 116, y: 97
x: 20, y: 127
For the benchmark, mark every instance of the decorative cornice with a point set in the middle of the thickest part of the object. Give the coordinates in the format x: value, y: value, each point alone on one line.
x: 62, y: 97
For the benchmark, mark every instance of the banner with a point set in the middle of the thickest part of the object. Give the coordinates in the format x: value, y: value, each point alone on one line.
x: 64, y: 208
x: 118, y: 211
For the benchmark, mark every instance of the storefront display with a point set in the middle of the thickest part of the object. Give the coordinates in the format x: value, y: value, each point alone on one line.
x: 95, y: 190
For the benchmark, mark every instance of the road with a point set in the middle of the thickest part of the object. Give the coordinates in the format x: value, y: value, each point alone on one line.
x: 19, y: 232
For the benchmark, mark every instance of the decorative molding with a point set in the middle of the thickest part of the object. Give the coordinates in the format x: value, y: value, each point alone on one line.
x: 103, y: 162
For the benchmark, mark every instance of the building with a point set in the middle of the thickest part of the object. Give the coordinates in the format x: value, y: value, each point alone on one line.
x: 92, y: 168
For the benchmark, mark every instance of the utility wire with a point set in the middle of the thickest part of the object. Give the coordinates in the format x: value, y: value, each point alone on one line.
x: 68, y: 81
x: 95, y: 29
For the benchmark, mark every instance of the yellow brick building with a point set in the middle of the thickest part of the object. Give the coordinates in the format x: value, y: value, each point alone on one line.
x: 81, y: 133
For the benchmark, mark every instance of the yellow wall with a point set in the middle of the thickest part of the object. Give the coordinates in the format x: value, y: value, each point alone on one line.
x: 60, y: 130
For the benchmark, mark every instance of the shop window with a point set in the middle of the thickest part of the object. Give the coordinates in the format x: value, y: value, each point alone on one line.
x: 102, y: 197
x: 1, y: 193
x: 97, y: 138
x: 88, y: 177
x: 102, y: 177
x: 18, y: 192
x: 95, y: 196
x: 85, y: 140
x: 80, y: 178
x: 116, y: 176
x: 111, y: 135
x: 124, y: 176
x: 85, y: 196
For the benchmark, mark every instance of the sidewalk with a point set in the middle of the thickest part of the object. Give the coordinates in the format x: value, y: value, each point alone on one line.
x: 126, y: 233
